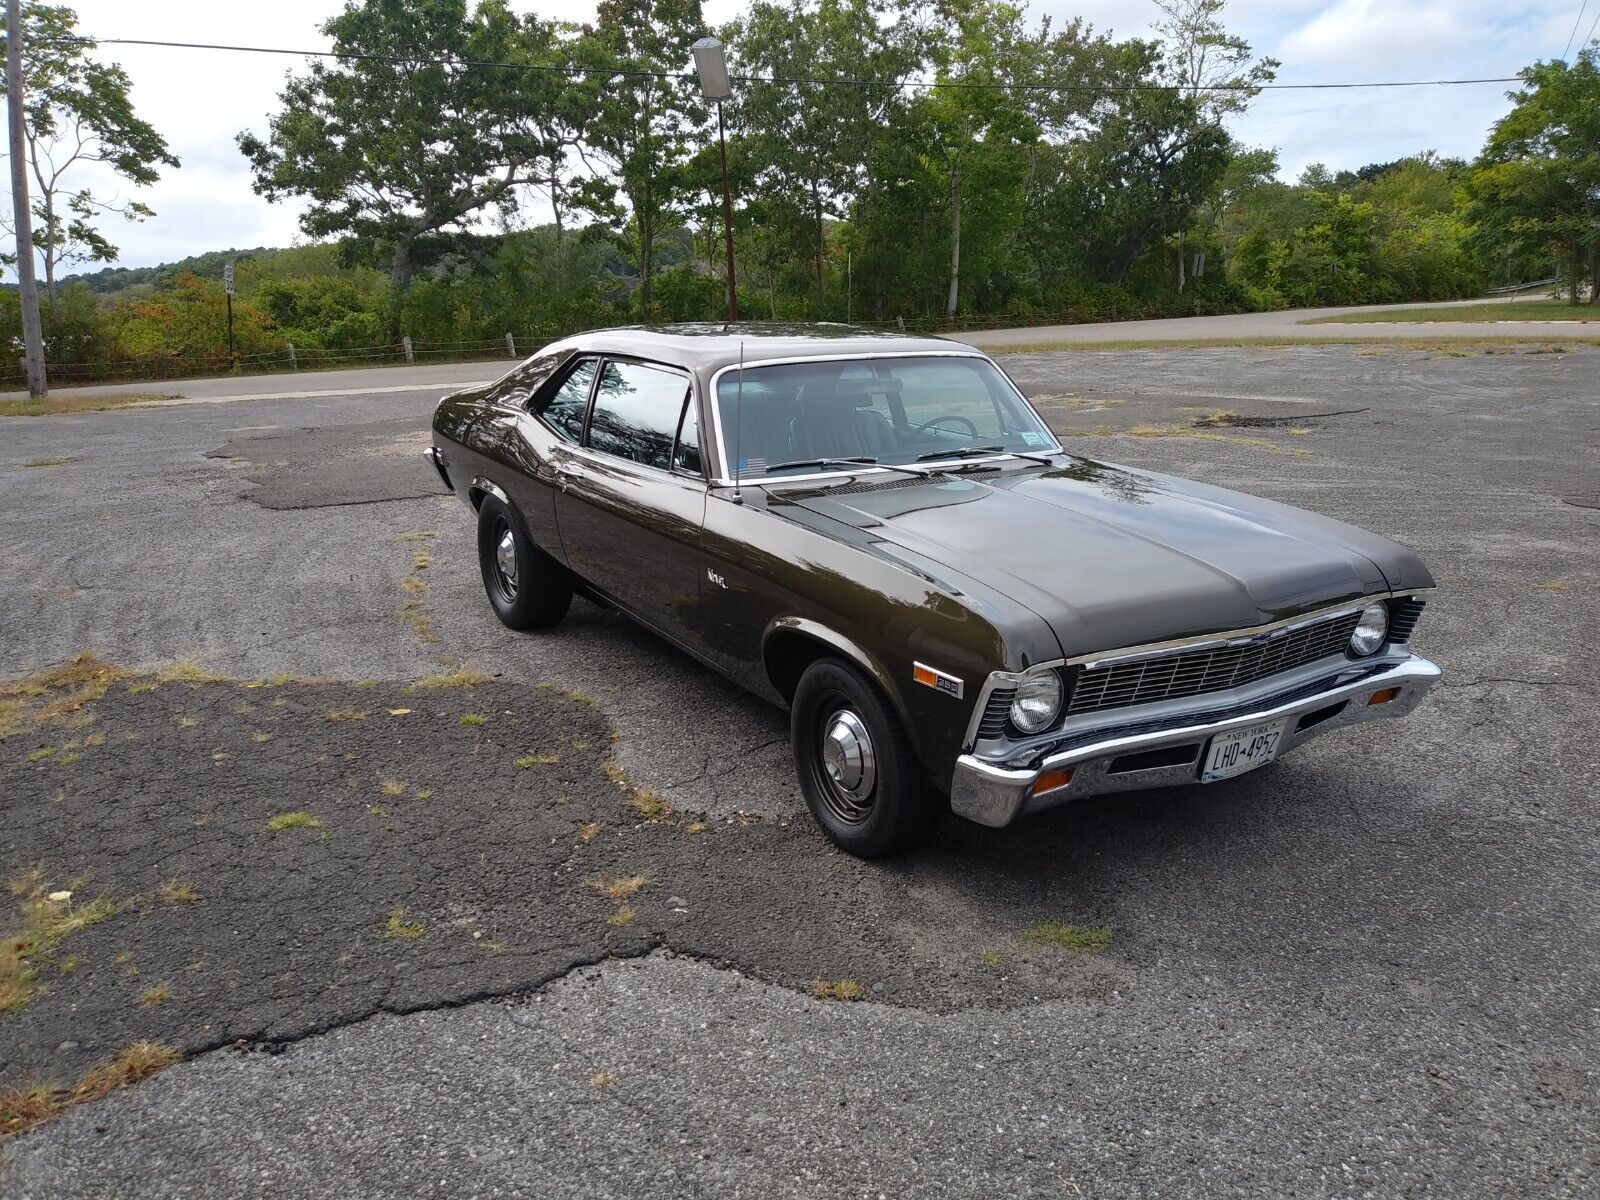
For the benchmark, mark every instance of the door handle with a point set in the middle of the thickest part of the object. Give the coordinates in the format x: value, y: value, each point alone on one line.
x: 568, y: 472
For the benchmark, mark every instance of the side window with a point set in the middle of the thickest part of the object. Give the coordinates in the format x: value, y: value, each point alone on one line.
x: 636, y: 410
x: 686, y: 457
x: 563, y: 408
x: 517, y: 388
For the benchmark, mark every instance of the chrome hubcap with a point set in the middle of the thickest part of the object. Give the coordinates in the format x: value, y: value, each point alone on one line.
x: 850, y: 763
x: 505, y: 563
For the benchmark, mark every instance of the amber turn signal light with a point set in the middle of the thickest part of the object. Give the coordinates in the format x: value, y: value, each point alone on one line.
x: 1383, y: 696
x: 1050, y: 781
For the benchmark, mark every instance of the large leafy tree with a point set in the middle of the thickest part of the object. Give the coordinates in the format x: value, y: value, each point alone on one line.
x: 1536, y: 186
x: 412, y: 135
x: 78, y: 114
x: 646, y: 111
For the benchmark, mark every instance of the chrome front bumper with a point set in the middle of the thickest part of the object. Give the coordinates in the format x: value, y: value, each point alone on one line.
x: 994, y: 794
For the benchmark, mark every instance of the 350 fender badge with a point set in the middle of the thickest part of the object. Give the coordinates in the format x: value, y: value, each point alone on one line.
x: 937, y: 680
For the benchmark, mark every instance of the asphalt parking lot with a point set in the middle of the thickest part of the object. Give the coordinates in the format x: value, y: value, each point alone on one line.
x: 435, y: 909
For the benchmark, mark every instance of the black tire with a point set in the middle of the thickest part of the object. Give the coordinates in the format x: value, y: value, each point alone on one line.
x: 535, y: 590
x: 886, y: 815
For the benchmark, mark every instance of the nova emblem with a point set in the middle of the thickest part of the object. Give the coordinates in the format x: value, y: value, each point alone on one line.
x: 939, y: 681
x: 716, y: 579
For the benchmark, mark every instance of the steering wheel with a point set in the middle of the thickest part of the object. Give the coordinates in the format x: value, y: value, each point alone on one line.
x: 927, y: 425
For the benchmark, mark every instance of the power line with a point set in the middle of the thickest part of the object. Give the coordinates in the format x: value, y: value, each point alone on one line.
x: 615, y: 72
x: 1593, y: 25
x: 1578, y: 21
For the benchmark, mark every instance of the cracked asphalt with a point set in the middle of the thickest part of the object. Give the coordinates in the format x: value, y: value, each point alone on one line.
x: 1368, y: 969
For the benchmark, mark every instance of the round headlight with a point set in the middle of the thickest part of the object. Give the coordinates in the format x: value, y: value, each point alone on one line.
x: 1037, y: 702
x: 1370, y: 630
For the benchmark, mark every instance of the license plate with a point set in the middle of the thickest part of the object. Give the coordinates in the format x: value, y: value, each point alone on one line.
x: 1242, y: 750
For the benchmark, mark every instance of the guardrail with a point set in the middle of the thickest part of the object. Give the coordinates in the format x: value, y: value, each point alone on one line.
x: 1512, y: 288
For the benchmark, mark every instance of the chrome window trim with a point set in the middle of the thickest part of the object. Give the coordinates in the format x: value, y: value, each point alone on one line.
x: 865, y: 468
x: 1174, y: 646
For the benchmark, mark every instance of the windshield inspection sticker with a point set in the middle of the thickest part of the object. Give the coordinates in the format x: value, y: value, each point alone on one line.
x: 937, y: 680
x: 1035, y: 439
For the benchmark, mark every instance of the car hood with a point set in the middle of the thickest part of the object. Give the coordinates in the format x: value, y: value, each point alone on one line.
x: 1112, y: 556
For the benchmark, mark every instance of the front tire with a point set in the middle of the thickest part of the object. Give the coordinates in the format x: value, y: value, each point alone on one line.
x: 526, y: 587
x: 856, y: 767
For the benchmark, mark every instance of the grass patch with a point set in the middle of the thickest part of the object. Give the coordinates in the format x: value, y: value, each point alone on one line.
x: 837, y: 989
x: 461, y: 678
x: 649, y: 805
x: 623, y: 916
x: 1509, y: 310
x: 397, y: 926
x: 187, y: 670
x: 536, y: 760
x: 50, y: 462
x: 68, y: 402
x: 1086, y: 939
x: 602, y: 1079
x: 472, y: 720
x: 154, y: 997
x: 45, y: 919
x: 1393, y: 341
x: 589, y: 830
x: 391, y: 787
x: 57, y: 693
x: 176, y: 891
x: 293, y: 820
x: 990, y: 958
x: 618, y: 887
x: 25, y: 1108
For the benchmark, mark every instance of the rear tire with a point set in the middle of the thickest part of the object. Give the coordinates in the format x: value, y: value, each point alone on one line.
x: 526, y: 587
x: 856, y: 767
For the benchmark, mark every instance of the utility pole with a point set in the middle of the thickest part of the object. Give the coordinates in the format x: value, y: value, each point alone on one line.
x: 27, y: 286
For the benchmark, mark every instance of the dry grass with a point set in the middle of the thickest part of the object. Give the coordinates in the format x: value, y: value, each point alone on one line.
x: 28, y: 1107
x: 536, y: 760
x: 397, y: 926
x: 55, y: 693
x: 589, y: 830
x: 837, y: 989
x: 1086, y: 939
x: 623, y: 916
x: 154, y: 997
x: 293, y: 820
x: 618, y: 887
x: 44, y: 919
x: 421, y: 535
x: 649, y: 805
x: 463, y: 677
x: 176, y: 891
x: 413, y: 585
x: 421, y: 623
x: 602, y: 1079
x: 70, y: 402
x: 187, y: 670
x: 391, y: 787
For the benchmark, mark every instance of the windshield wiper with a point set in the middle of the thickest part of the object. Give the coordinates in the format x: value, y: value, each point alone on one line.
x: 822, y: 462
x: 963, y: 452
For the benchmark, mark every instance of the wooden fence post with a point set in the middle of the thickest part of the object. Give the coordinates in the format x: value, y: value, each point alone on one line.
x: 405, y: 344
x: 511, y: 346
x: 294, y: 363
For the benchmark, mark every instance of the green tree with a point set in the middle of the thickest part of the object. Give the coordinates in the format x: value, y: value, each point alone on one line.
x: 394, y: 152
x: 645, y: 111
x: 78, y: 113
x: 1536, y: 186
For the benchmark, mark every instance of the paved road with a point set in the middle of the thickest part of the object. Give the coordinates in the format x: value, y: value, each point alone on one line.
x: 1369, y: 969
x: 1287, y: 324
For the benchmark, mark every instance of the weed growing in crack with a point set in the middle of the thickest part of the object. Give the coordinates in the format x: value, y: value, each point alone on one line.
x: 154, y: 997
x: 618, y: 887
x: 176, y: 891
x: 837, y: 989
x: 25, y: 1108
x: 1086, y: 939
x: 293, y: 820
x: 623, y: 916
x: 472, y: 720
x: 536, y: 760
x: 397, y: 926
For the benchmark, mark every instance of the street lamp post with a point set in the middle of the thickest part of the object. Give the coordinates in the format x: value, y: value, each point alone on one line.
x: 711, y: 64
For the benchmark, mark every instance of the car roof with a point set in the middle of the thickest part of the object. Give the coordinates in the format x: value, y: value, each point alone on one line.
x: 709, y: 347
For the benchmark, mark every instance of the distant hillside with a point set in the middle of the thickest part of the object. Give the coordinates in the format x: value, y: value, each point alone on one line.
x: 112, y: 280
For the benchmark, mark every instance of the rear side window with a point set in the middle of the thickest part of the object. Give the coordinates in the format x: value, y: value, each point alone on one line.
x: 636, y: 411
x: 563, y: 408
x: 687, y: 455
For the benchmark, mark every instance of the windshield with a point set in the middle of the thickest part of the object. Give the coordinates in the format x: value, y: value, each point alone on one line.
x: 813, y: 416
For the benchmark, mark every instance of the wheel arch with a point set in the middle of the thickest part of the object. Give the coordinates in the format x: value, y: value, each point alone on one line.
x: 482, y: 486
x: 791, y: 644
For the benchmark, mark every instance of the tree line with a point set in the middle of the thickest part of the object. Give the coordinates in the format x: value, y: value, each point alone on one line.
x: 891, y: 161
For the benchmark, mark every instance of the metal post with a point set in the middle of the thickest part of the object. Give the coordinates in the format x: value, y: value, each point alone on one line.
x: 849, y: 281
x: 727, y: 218
x: 227, y: 290
x: 27, y: 285
x: 405, y: 345
x: 294, y: 363
x: 511, y: 346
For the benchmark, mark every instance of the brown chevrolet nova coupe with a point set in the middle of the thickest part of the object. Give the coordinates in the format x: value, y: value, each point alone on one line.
x: 880, y: 534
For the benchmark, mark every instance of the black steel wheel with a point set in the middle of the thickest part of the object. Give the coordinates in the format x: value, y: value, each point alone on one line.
x: 856, y: 767
x: 526, y: 587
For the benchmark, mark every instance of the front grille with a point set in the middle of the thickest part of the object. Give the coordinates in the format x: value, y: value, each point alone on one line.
x: 1196, y: 672
x: 1403, y: 616
x: 995, y: 713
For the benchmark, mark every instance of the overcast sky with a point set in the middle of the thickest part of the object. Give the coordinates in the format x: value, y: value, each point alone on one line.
x: 200, y: 99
